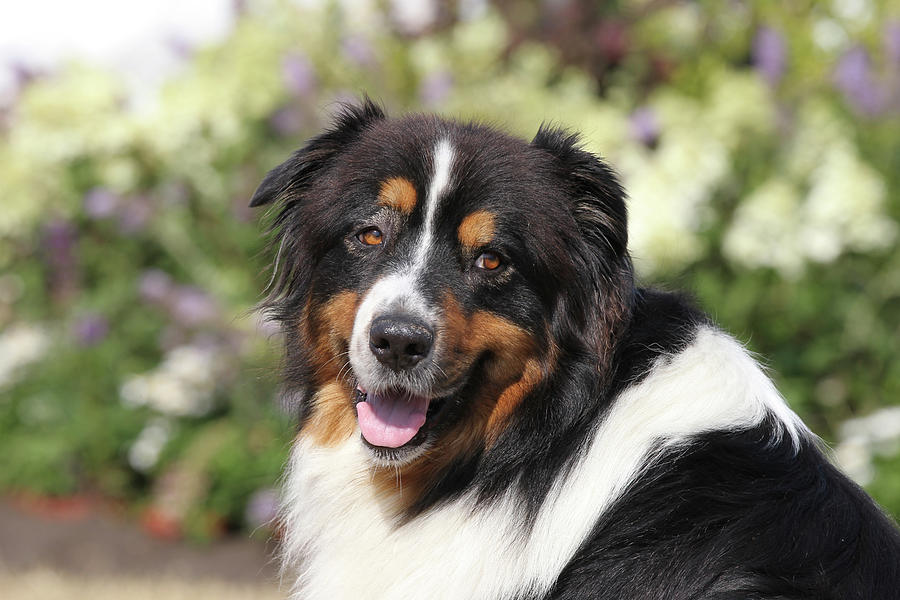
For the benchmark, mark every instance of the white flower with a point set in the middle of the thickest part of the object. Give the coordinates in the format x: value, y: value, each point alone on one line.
x: 854, y: 457
x: 762, y: 233
x: 184, y: 384
x: 20, y: 345
x: 881, y: 429
x: 857, y: 12
x: 864, y: 437
x: 846, y: 201
x: 670, y: 189
x: 145, y: 451
x: 193, y: 366
x: 667, y: 209
x: 843, y: 211
x: 740, y: 103
x: 829, y: 35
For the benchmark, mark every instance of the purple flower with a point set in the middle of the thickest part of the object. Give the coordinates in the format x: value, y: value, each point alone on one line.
x: 644, y: 126
x: 59, y: 248
x: 262, y: 507
x: 100, y: 203
x: 852, y: 70
x: 192, y: 306
x: 853, y: 77
x: 181, y: 47
x: 892, y: 41
x: 298, y: 74
x: 58, y: 240
x: 134, y: 215
x: 155, y: 286
x: 435, y: 88
x: 769, y: 54
x: 358, y: 50
x: 91, y: 329
x: 286, y: 121
x: 23, y: 74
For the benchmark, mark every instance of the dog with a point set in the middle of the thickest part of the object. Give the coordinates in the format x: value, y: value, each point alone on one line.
x: 490, y: 408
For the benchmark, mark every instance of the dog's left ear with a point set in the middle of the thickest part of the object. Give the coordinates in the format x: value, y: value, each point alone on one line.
x: 295, y: 174
x: 598, y: 198
x: 597, y: 204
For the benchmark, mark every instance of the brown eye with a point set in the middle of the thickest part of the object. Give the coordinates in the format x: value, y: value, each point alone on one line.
x: 371, y: 236
x: 487, y: 261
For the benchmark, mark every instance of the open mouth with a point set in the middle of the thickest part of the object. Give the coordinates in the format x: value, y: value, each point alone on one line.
x: 393, y: 418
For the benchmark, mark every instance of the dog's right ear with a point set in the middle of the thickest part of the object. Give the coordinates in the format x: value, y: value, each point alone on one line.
x: 295, y: 174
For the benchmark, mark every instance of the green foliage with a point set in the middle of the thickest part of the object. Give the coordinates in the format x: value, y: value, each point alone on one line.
x: 131, y: 363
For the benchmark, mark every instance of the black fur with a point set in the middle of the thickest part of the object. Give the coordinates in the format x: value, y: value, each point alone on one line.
x: 733, y: 516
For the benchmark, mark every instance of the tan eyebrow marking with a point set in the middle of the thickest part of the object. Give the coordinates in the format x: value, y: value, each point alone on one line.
x: 398, y: 193
x: 476, y: 230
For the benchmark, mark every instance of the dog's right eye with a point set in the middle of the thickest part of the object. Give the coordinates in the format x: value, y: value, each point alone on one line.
x: 489, y: 261
x: 371, y: 236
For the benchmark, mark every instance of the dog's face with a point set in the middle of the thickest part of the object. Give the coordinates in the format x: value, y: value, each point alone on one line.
x: 431, y: 275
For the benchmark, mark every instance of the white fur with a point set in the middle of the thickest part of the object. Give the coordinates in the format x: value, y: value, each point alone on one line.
x: 392, y: 293
x: 342, y: 537
x: 440, y: 182
x: 398, y: 291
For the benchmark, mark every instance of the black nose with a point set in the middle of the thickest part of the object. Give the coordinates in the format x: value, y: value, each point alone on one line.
x: 399, y: 341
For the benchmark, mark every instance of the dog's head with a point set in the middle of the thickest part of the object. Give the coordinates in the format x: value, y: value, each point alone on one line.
x: 431, y: 275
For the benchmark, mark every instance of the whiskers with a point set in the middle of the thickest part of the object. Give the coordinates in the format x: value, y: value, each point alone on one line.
x: 398, y: 474
x: 344, y: 373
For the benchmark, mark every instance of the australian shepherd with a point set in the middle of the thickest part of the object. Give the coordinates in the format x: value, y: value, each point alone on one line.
x: 489, y: 408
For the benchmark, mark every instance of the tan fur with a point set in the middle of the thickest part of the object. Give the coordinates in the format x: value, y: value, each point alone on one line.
x: 398, y: 193
x: 332, y: 418
x: 476, y: 230
x: 512, y: 396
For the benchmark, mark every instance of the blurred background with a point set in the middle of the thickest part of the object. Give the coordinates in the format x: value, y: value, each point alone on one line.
x: 140, y: 425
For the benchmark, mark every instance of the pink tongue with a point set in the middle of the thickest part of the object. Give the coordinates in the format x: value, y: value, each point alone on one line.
x: 391, y: 420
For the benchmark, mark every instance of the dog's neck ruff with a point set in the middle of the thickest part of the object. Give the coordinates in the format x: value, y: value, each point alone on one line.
x: 342, y: 535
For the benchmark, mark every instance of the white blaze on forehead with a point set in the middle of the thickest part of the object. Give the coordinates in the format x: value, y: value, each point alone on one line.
x: 399, y: 291
x: 440, y: 181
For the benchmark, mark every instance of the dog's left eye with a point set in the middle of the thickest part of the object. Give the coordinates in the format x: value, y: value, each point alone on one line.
x: 488, y: 261
x: 371, y: 236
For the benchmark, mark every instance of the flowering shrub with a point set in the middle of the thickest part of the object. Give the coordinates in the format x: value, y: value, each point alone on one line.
x: 760, y: 147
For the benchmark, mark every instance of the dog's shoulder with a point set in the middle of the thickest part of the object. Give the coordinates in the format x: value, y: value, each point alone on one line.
x: 733, y: 514
x: 737, y: 498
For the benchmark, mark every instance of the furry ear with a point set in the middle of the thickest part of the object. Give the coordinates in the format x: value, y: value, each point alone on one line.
x: 599, y: 200
x: 295, y: 242
x: 598, y: 208
x: 296, y: 172
x: 287, y: 184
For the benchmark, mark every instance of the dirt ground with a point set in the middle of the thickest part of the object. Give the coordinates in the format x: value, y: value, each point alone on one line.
x: 42, y: 584
x: 100, y: 556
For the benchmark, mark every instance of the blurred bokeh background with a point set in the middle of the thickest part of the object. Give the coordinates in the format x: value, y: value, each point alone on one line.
x: 759, y: 142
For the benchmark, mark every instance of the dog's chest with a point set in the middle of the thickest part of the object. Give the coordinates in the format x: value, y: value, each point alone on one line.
x: 343, y: 537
